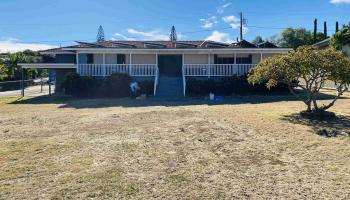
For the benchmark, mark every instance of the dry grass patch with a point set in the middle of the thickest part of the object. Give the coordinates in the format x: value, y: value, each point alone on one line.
x: 129, y: 149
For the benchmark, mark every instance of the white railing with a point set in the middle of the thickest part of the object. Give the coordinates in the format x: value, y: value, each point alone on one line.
x: 109, y: 69
x: 216, y: 69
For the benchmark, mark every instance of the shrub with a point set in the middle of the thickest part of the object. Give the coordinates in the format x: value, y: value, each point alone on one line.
x: 117, y: 85
x: 78, y: 86
x: 230, y: 85
x: 146, y: 87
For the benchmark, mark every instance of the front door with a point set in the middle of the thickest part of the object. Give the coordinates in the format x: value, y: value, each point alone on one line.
x: 170, y: 65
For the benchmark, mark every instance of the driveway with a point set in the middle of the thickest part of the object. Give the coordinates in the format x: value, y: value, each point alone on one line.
x: 32, y: 91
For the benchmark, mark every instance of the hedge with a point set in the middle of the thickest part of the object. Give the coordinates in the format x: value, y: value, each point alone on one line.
x: 229, y: 86
x: 116, y: 86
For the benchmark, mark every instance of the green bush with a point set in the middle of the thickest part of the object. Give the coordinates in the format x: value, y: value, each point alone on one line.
x: 117, y: 85
x: 78, y: 86
x: 146, y: 87
x: 229, y: 86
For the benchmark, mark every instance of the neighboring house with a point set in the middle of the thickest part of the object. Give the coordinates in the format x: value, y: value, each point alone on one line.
x: 169, y: 64
x: 326, y: 43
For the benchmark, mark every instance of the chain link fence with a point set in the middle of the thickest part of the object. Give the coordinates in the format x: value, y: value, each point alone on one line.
x: 33, y: 87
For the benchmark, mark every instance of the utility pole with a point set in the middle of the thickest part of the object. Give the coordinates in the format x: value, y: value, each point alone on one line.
x: 241, y: 26
x: 243, y: 22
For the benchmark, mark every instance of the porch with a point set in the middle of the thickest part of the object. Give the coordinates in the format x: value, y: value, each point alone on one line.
x: 101, y: 65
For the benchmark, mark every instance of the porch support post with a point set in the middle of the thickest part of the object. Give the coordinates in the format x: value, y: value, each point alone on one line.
x: 209, y: 64
x: 104, y: 64
x: 261, y: 57
x: 157, y: 60
x: 50, y: 73
x: 235, y: 58
x: 183, y: 75
x: 77, y: 61
x: 130, y: 63
x: 22, y: 82
x: 156, y: 76
x: 235, y: 62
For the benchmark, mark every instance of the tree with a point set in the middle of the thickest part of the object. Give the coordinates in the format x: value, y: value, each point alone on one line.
x: 315, y: 30
x: 100, y: 35
x: 336, y: 27
x: 325, y: 30
x: 294, y: 38
x: 258, y: 40
x: 14, y: 71
x: 173, y: 35
x: 341, y: 39
x: 307, y: 68
x: 3, y: 72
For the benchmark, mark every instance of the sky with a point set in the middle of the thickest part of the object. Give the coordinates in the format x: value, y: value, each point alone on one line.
x: 43, y: 24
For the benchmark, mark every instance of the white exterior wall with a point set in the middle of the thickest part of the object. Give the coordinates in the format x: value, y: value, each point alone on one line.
x: 196, y: 59
x: 98, y: 58
x: 346, y: 49
x: 143, y: 59
x: 111, y: 58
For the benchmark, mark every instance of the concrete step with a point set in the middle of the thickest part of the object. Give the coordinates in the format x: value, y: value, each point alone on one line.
x: 170, y: 87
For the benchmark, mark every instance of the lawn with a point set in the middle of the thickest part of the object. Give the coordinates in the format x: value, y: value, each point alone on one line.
x: 247, y: 148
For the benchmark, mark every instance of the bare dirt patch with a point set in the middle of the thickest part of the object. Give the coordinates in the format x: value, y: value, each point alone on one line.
x: 129, y: 149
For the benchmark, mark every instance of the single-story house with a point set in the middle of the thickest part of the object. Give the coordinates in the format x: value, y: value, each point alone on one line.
x: 168, y: 63
x: 326, y: 43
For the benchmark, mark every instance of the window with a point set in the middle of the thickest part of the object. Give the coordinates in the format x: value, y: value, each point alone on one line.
x: 86, y: 58
x: 231, y: 60
x: 121, y: 59
x: 223, y: 60
x: 245, y: 60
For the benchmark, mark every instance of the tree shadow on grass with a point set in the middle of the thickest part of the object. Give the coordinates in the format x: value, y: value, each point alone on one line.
x: 69, y: 102
x: 330, y: 127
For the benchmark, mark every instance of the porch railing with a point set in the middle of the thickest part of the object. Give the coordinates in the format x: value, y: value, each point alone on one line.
x: 216, y: 69
x: 109, y: 69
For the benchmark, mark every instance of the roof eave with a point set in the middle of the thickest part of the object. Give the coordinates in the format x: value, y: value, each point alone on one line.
x: 181, y: 49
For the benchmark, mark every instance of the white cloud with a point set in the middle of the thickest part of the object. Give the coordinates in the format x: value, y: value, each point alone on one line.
x: 133, y: 34
x: 230, y: 18
x: 209, y: 22
x: 13, y: 45
x: 220, y: 37
x: 234, y: 22
x: 151, y: 35
x: 340, y: 1
x: 221, y: 9
x: 123, y: 37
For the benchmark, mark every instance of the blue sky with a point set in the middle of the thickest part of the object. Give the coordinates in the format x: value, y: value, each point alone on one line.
x: 41, y: 24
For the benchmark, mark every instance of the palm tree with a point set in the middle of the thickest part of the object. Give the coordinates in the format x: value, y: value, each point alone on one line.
x: 11, y: 61
x: 341, y: 38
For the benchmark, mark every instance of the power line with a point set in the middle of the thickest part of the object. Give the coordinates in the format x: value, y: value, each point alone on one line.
x: 187, y: 32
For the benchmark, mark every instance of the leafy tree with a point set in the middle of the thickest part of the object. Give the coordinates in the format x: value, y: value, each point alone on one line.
x: 173, y: 35
x: 325, y: 32
x: 258, y: 40
x: 315, y: 30
x: 309, y: 65
x: 341, y: 39
x: 294, y: 38
x: 336, y: 27
x: 14, y: 71
x: 3, y: 72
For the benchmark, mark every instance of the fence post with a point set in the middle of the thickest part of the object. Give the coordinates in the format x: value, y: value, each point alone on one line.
x: 22, y: 83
